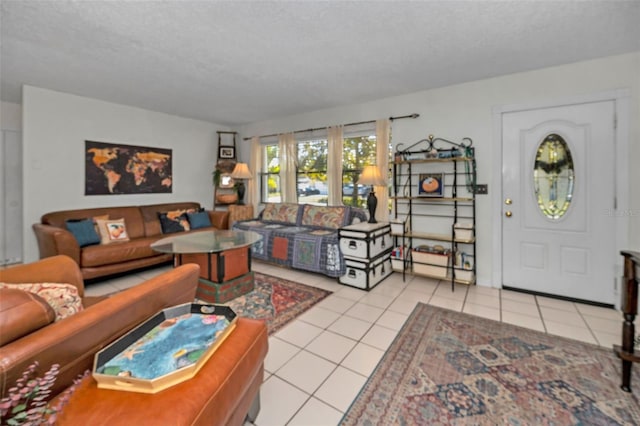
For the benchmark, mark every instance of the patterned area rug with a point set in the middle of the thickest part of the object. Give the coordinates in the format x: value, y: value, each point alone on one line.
x: 277, y: 301
x: 448, y: 368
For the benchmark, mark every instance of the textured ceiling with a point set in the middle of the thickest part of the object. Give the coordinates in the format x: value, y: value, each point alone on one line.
x: 239, y: 62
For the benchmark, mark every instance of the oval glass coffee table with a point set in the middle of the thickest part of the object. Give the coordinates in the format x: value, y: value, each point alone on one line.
x: 224, y: 258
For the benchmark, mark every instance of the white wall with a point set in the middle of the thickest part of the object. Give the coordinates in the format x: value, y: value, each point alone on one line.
x: 10, y: 183
x: 10, y: 116
x: 57, y: 124
x: 465, y: 110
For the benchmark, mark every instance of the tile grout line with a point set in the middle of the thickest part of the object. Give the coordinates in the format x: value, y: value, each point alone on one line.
x: 544, y: 324
x: 593, y: 334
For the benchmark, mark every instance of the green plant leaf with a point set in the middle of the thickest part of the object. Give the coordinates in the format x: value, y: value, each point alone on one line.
x: 18, y: 408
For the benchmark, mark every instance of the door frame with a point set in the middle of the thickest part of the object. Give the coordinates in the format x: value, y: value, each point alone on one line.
x: 621, y: 99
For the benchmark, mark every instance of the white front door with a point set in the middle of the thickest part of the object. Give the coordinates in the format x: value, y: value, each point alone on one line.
x: 558, y: 229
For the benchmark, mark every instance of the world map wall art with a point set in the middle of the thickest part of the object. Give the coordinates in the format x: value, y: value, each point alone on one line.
x: 126, y: 169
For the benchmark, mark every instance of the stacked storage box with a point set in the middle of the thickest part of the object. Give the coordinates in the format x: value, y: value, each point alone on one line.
x: 367, y: 249
x: 399, y: 226
x: 463, y: 231
x: 427, y: 261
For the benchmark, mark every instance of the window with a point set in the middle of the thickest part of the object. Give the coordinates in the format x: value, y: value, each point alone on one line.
x: 311, y: 183
x: 270, y: 180
x: 358, y: 152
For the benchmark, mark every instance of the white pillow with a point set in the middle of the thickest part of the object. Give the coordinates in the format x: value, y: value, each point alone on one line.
x: 112, y: 231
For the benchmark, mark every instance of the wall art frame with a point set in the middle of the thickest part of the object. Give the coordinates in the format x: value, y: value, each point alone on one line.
x: 227, y: 152
x: 116, y: 169
x: 431, y: 185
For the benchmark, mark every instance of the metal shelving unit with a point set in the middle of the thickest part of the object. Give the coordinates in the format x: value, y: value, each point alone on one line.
x: 434, y: 192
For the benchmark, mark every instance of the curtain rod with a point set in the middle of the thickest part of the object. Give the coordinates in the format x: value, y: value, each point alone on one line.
x: 414, y: 115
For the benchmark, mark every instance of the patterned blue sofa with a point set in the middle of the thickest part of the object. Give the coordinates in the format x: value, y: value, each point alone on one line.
x: 302, y: 236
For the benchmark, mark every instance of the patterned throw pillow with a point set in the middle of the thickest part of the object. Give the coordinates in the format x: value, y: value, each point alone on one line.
x: 63, y: 298
x: 84, y: 231
x: 326, y: 217
x: 175, y: 221
x: 112, y: 231
x: 281, y: 213
x: 270, y: 211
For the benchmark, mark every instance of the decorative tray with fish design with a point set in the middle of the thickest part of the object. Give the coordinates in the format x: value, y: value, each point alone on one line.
x: 165, y: 350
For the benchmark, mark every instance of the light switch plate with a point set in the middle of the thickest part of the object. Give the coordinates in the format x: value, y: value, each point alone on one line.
x: 482, y: 189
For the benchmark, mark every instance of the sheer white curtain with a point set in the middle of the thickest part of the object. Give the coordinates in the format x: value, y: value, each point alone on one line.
x: 288, y: 163
x: 334, y: 165
x: 383, y: 131
x: 255, y: 166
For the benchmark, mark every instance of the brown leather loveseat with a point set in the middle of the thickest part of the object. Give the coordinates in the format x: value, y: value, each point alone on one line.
x: 224, y: 391
x: 142, y: 226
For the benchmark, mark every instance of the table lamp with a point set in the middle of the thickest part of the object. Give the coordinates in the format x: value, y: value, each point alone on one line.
x: 241, y: 172
x: 371, y: 176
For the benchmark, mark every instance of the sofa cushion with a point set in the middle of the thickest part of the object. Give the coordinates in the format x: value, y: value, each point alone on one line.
x: 333, y: 217
x: 283, y: 213
x: 63, y: 298
x: 107, y: 254
x: 21, y: 313
x: 199, y: 220
x: 112, y: 231
x: 84, y: 231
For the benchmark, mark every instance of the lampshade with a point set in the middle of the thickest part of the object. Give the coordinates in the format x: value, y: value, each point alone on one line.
x: 241, y: 171
x: 371, y: 176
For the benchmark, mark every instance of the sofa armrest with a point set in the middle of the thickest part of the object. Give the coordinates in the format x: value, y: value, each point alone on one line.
x: 73, y: 341
x: 219, y: 218
x: 55, y: 269
x: 53, y: 241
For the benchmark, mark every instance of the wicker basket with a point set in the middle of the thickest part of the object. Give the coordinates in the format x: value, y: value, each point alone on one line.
x: 227, y: 198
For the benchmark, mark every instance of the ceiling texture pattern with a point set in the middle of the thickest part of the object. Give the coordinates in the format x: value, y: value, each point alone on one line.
x: 239, y: 62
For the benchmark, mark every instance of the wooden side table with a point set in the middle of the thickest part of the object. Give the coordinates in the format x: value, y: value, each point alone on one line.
x: 240, y: 212
x: 626, y: 352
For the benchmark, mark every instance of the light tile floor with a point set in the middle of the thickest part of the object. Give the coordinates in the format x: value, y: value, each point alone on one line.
x: 318, y: 363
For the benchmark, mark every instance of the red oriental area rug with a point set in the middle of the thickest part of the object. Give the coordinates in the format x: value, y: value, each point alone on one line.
x: 277, y: 301
x: 450, y: 368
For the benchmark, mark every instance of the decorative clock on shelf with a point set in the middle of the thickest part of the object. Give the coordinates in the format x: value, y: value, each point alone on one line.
x: 431, y: 185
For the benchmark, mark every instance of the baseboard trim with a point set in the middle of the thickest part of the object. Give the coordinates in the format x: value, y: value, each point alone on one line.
x: 555, y: 296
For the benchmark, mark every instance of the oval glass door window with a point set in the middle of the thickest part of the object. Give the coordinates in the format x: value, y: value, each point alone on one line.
x: 553, y: 176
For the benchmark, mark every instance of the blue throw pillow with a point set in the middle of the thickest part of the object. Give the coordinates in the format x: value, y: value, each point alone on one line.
x: 84, y: 232
x: 199, y: 220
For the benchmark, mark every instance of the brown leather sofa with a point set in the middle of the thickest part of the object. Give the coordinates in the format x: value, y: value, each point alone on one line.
x: 224, y: 391
x: 95, y: 261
